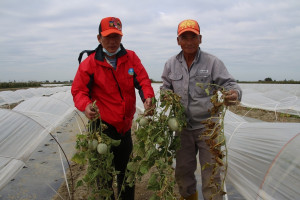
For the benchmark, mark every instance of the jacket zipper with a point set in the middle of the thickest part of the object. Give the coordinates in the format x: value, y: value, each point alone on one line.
x: 117, y: 84
x: 115, y: 78
x: 118, y: 88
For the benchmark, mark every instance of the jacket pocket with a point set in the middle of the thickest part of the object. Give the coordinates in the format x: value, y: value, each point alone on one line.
x: 177, y: 82
x: 203, y: 85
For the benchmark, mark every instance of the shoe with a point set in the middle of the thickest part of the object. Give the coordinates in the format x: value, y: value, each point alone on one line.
x: 192, y: 197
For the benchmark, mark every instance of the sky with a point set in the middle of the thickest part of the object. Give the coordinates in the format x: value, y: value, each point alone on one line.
x: 40, y: 39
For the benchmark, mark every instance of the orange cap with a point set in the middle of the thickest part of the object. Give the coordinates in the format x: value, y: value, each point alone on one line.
x: 188, y: 25
x: 110, y: 25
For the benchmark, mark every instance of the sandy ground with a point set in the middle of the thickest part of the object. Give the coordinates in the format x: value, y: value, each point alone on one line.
x: 141, y: 192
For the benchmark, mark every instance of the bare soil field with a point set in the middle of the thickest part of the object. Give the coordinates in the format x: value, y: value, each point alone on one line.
x: 264, y: 115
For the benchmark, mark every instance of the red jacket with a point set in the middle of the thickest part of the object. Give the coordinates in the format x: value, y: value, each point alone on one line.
x: 114, y: 90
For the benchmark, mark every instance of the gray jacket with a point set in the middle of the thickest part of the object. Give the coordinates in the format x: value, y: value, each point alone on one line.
x: 206, y: 69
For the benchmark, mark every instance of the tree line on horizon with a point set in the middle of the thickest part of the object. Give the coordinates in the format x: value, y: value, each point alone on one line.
x: 28, y: 84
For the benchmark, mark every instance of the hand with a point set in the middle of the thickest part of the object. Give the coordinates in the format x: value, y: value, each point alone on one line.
x: 91, y: 112
x: 149, y: 108
x: 231, y: 98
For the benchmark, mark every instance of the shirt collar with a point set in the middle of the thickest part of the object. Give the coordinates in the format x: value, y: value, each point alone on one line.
x: 181, y: 58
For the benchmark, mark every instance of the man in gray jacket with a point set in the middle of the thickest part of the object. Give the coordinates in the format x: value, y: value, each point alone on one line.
x: 181, y: 73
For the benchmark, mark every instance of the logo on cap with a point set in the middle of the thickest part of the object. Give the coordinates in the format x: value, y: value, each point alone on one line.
x: 188, y: 25
x: 110, y: 25
x: 115, y: 23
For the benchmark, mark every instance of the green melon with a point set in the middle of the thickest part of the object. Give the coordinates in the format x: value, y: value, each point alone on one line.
x: 102, y: 148
x: 143, y: 122
x: 93, y: 144
x: 173, y: 124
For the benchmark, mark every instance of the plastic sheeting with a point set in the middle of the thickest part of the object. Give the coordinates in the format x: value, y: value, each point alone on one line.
x: 24, y: 127
x: 263, y: 158
x: 19, y: 135
x: 284, y: 98
x: 10, y: 97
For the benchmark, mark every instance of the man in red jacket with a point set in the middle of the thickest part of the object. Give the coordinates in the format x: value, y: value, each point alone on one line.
x: 109, y: 76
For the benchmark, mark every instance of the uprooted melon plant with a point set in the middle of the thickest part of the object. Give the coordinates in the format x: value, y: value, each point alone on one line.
x: 156, y: 146
x: 214, y: 136
x: 94, y: 151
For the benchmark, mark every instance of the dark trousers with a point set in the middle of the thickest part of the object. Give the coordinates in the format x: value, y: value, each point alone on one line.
x: 121, y: 157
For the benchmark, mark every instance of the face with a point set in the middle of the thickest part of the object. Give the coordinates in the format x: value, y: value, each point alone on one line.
x: 189, y: 42
x: 111, y: 42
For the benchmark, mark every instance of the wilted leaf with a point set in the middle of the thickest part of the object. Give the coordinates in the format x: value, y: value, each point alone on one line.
x: 79, y: 158
x: 153, y: 182
x: 131, y: 166
x: 207, y: 91
x: 144, y: 167
x: 115, y: 142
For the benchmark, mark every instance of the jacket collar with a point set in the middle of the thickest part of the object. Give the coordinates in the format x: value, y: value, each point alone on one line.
x: 99, y: 55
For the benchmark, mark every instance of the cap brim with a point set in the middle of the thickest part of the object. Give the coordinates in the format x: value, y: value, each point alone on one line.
x: 189, y: 29
x: 110, y: 31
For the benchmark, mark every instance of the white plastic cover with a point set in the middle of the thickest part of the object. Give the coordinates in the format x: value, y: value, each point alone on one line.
x: 25, y: 126
x: 19, y: 137
x: 9, y: 97
x: 263, y: 158
x: 284, y: 98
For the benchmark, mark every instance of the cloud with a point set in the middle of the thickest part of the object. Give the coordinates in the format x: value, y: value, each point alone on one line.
x: 40, y: 40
